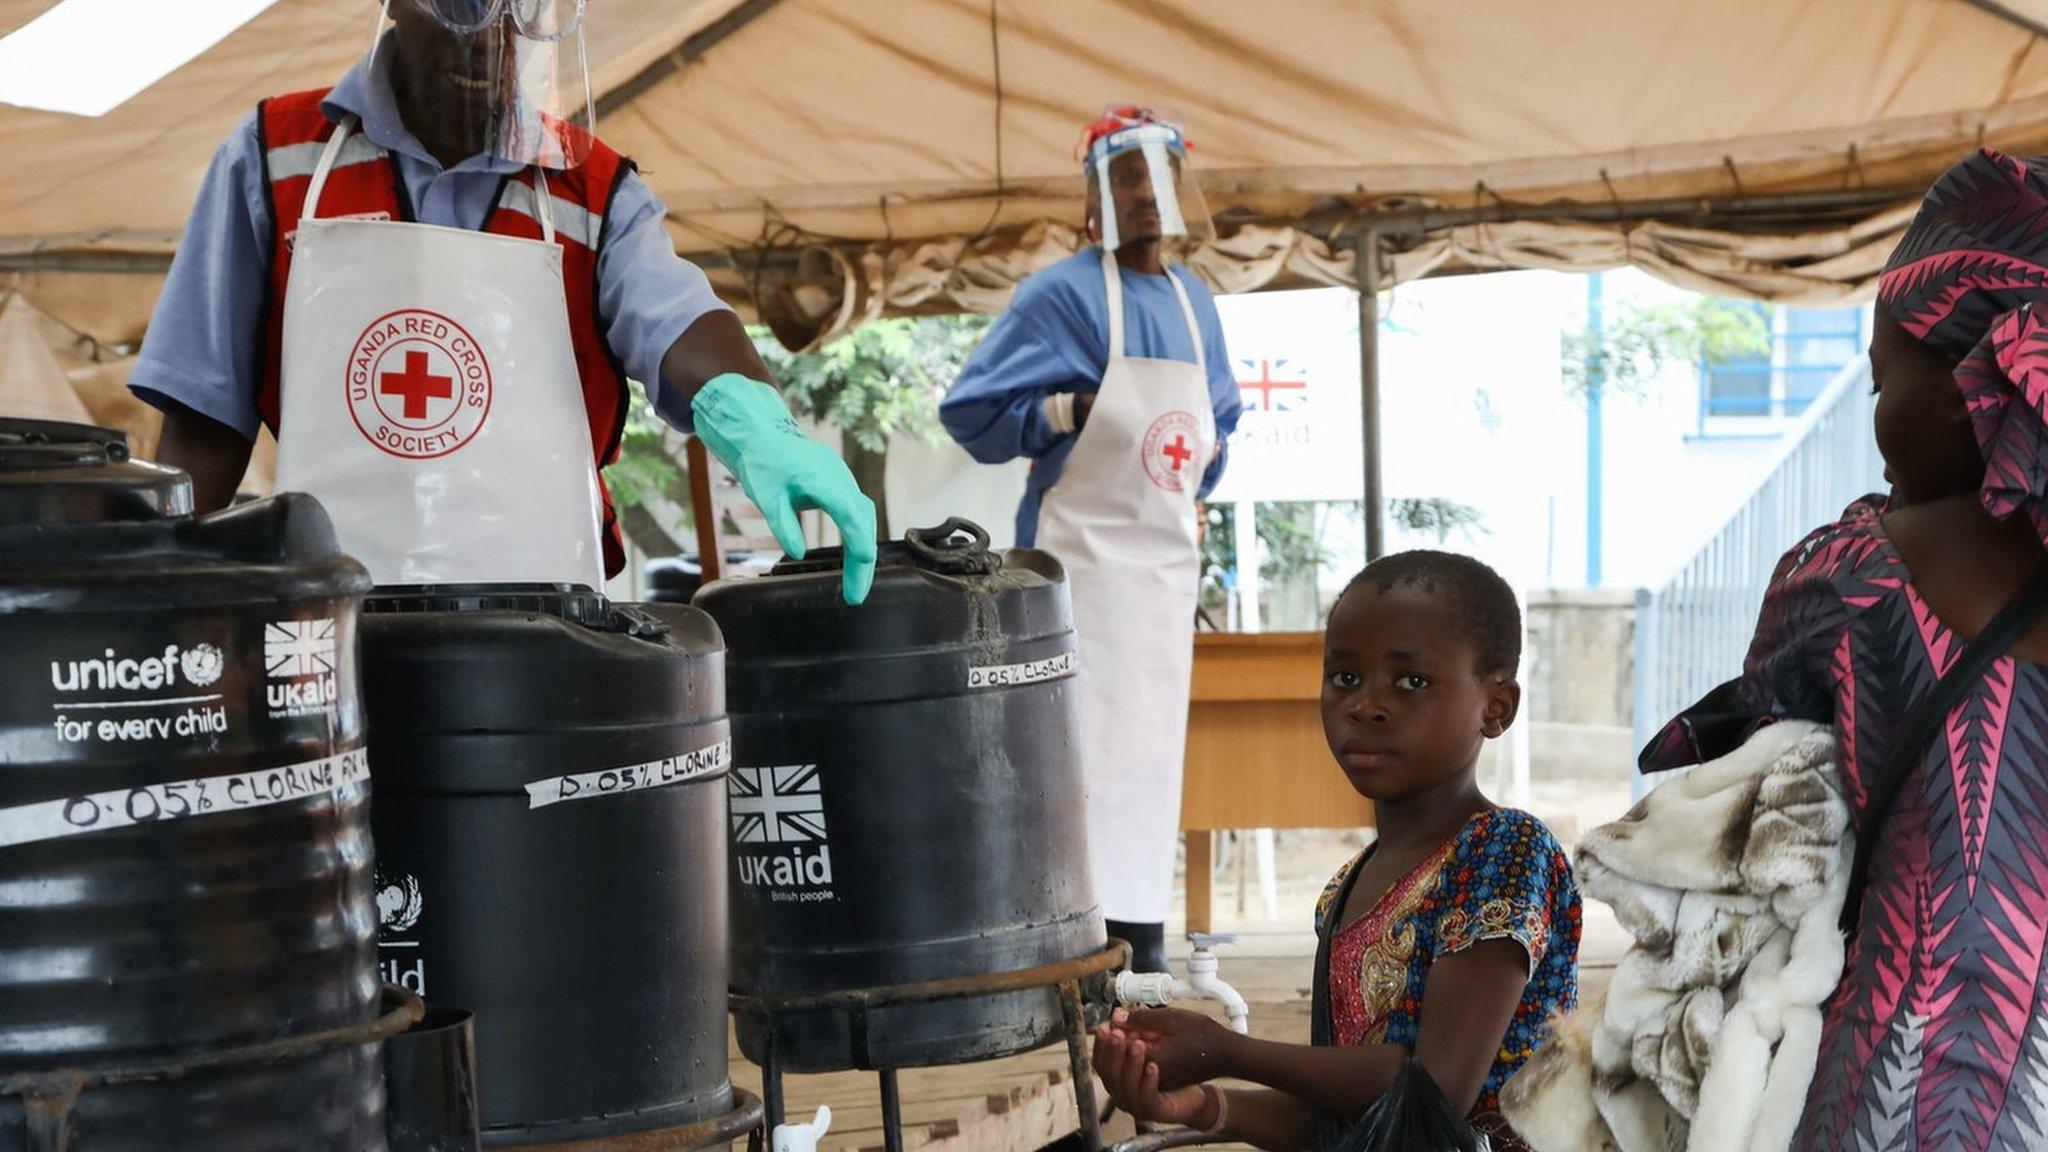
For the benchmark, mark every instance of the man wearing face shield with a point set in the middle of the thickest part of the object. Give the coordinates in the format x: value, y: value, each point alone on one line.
x: 433, y: 282
x: 1109, y: 371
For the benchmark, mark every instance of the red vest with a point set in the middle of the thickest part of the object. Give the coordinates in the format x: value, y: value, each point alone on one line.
x: 365, y: 184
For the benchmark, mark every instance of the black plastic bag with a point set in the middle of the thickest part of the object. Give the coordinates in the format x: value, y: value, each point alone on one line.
x: 1411, y: 1116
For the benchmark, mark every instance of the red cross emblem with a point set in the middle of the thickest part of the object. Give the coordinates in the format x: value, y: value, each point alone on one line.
x: 418, y: 384
x: 1170, y: 446
x: 1179, y: 452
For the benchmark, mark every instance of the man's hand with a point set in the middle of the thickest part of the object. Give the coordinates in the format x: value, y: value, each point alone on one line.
x: 1084, y: 403
x: 213, y: 454
x: 746, y: 425
x: 1188, y: 1047
x: 1127, y: 1071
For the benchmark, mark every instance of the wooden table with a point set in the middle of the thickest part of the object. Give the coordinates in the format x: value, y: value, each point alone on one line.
x: 1256, y: 756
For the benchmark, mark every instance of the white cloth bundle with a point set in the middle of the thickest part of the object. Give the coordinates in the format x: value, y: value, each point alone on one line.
x: 1731, y: 879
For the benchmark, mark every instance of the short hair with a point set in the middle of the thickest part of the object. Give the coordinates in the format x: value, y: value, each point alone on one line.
x: 1482, y: 602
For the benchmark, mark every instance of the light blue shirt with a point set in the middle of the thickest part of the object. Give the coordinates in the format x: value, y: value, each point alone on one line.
x: 1054, y: 337
x: 205, y: 344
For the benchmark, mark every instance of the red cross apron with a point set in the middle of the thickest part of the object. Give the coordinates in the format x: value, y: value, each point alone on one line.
x: 431, y: 400
x: 1122, y: 521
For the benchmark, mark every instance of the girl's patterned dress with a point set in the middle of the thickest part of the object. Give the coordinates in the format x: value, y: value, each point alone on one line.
x: 1503, y: 876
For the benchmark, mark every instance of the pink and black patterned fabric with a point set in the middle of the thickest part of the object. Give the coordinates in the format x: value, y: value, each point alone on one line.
x: 1977, y: 250
x: 2004, y: 381
x: 1937, y: 1036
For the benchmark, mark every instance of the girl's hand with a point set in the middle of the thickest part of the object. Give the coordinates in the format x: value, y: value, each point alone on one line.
x: 1188, y: 1047
x: 1133, y: 1080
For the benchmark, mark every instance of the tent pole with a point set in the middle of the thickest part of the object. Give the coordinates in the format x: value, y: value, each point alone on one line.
x: 1366, y: 252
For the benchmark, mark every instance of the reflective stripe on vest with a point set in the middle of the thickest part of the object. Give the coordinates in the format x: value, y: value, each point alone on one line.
x: 294, y: 160
x: 573, y: 222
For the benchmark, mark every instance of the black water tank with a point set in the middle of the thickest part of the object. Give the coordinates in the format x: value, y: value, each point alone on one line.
x: 184, y: 817
x: 906, y: 796
x: 550, y: 831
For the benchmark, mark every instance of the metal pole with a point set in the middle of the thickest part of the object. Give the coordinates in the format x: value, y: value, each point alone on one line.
x: 771, y: 1077
x: 892, y: 1113
x: 1643, y: 718
x: 1596, y: 438
x: 1074, y: 1015
x: 1366, y: 254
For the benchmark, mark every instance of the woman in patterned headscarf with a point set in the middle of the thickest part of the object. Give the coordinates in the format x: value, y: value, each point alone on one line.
x: 1937, y: 1037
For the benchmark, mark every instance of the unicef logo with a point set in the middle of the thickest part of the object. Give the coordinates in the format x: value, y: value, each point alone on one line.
x: 399, y: 903
x: 202, y: 664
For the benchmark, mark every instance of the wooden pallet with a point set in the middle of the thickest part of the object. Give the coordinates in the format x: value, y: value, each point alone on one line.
x: 1018, y: 1103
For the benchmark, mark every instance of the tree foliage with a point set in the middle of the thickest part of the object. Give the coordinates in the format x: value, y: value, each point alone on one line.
x: 883, y: 378
x: 645, y: 466
x: 1638, y: 342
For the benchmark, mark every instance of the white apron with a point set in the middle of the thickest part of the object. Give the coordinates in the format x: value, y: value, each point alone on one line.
x: 1122, y: 521
x: 431, y: 399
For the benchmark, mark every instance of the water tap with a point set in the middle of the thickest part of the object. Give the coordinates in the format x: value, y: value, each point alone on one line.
x: 803, y: 1137
x: 1159, y: 989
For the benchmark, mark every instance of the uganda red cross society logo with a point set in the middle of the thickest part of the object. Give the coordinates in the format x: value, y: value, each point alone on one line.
x: 418, y: 384
x: 1171, y: 446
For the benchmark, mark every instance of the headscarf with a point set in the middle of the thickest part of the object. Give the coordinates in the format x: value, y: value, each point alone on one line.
x: 1977, y: 250
x: 1964, y: 281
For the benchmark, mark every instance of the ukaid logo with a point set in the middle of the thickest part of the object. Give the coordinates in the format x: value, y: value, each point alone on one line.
x: 299, y: 661
x: 124, y: 696
x: 778, y: 832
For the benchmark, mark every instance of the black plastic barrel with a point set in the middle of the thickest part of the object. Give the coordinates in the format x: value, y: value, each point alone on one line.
x: 550, y: 831
x: 906, y: 797
x: 676, y: 579
x: 184, y: 808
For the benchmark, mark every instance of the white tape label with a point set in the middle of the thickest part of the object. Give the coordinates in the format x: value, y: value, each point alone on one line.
x: 631, y: 778
x: 1012, y: 675
x: 180, y: 800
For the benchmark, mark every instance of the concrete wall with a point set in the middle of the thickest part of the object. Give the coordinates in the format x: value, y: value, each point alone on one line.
x: 1577, y: 698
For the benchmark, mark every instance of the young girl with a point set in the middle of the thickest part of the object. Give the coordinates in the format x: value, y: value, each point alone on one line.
x: 1452, y: 938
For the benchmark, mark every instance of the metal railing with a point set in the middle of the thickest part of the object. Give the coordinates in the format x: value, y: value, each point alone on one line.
x: 1693, y: 631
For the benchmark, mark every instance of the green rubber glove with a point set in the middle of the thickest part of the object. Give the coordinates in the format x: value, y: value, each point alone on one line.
x: 747, y: 426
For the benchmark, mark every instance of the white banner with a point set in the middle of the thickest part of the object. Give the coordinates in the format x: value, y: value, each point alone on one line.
x: 1296, y: 359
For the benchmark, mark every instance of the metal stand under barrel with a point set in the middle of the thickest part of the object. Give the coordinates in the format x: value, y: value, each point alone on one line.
x: 50, y: 1098
x: 717, y: 1132
x: 1083, y: 985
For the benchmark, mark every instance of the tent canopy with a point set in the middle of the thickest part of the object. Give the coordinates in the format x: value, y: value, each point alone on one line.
x: 833, y: 160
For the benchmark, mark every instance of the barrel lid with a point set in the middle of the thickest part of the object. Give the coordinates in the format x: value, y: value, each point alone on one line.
x: 281, y: 548
x: 574, y: 603
x: 937, y: 591
x: 58, y: 473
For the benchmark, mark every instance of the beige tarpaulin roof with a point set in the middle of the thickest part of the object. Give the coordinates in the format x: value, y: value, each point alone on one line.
x: 918, y: 154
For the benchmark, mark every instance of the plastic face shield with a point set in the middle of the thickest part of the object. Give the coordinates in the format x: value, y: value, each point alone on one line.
x: 509, y: 77
x: 1141, y: 188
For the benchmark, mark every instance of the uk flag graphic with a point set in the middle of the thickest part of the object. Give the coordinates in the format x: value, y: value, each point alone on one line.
x: 1276, y: 385
x: 297, y: 648
x: 776, y: 805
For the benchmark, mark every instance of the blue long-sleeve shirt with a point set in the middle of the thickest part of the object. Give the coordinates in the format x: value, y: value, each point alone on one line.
x: 1055, y: 338
x: 204, y: 347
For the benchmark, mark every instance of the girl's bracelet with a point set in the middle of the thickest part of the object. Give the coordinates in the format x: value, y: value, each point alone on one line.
x: 1219, y: 1109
